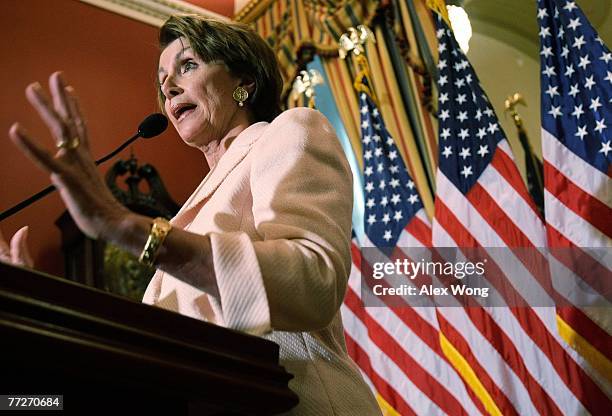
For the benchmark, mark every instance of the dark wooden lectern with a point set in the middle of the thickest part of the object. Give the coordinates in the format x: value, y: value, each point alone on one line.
x: 109, y: 355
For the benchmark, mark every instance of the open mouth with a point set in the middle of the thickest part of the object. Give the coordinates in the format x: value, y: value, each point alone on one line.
x: 183, y: 110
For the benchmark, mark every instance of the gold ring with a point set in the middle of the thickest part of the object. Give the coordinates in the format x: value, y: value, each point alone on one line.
x: 69, y: 144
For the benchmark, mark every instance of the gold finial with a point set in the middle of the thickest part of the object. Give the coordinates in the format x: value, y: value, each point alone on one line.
x: 304, y: 84
x: 511, y: 102
x: 354, y: 39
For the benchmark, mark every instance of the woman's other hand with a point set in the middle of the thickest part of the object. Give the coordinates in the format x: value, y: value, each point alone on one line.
x: 72, y: 169
x: 17, y: 252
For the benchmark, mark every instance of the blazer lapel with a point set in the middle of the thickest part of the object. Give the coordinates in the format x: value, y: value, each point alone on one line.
x: 236, y: 152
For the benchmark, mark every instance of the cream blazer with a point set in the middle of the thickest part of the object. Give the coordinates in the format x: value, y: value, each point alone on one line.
x: 277, y: 207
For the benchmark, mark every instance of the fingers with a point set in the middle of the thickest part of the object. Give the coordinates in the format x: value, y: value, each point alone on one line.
x: 39, y: 100
x: 58, y: 93
x: 32, y: 150
x: 20, y: 254
x: 75, y: 114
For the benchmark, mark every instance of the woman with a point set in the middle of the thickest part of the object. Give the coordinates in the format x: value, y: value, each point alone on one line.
x: 262, y: 245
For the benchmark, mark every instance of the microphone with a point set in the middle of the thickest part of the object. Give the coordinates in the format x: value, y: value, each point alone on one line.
x: 153, y: 125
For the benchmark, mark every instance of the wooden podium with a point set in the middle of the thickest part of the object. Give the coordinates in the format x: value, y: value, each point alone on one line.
x: 109, y: 355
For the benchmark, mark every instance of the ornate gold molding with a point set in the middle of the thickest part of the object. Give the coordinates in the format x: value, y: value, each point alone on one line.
x: 152, y: 12
x: 252, y: 10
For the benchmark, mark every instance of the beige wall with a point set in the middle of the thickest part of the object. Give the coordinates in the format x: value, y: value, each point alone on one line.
x: 504, y: 51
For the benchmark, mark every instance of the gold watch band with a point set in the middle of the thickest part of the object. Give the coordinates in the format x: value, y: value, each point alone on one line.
x: 159, y: 230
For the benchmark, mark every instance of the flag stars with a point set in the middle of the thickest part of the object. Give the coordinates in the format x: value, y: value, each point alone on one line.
x: 460, y: 82
x: 606, y: 57
x: 569, y: 6
x: 552, y: 91
x: 384, y: 201
x: 443, y: 80
x: 465, y: 152
x: 380, y: 168
x: 382, y: 185
x: 464, y: 134
x: 578, y: 111
x: 561, y: 31
x: 398, y: 216
x: 439, y: 33
x: 394, y: 169
x: 581, y: 132
x: 441, y: 47
x: 608, y: 77
x: 396, y: 199
x: 460, y: 98
x: 392, y: 155
x: 589, y: 82
x: 369, y: 187
x: 483, y: 150
x: 389, y: 141
x: 445, y: 133
x: 489, y: 112
x: 578, y: 42
x: 584, y: 61
x: 547, y: 51
x: 595, y: 104
x: 574, y: 90
x: 564, y: 52
x: 365, y: 124
x: 444, y: 114
x: 482, y: 132
x: 376, y: 138
x: 394, y: 183
x: 368, y: 171
x: 387, y: 236
x: 493, y: 127
x: 544, y: 32
x: 375, y: 112
x: 478, y: 114
x: 371, y: 219
x: 549, y: 71
x: 555, y: 112
x: 410, y: 184
x: 447, y: 151
x: 542, y: 13
x: 413, y: 199
x: 574, y: 23
x: 600, y: 125
x: 605, y: 148
x: 466, y: 171
x: 378, y: 152
x: 569, y: 70
x: 386, y: 218
x: 462, y: 116
x: 371, y: 203
x: 443, y: 97
x: 364, y: 110
x: 367, y: 155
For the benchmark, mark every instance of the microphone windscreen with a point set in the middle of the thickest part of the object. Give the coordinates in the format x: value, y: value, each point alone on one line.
x: 155, y: 124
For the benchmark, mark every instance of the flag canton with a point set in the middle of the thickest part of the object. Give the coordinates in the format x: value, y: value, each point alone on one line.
x: 576, y: 82
x: 468, y: 127
x: 390, y: 194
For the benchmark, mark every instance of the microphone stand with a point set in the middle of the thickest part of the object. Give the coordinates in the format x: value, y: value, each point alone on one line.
x: 51, y: 188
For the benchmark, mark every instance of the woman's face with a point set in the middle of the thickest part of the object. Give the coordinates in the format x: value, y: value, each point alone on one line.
x: 198, y: 95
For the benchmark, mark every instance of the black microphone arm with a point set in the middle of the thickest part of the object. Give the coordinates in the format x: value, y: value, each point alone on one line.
x: 151, y: 126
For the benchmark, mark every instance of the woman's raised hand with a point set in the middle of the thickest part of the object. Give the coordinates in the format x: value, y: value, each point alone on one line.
x: 72, y: 169
x: 17, y: 251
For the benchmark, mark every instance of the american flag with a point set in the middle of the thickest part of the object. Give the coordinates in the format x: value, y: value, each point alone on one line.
x: 396, y: 348
x: 512, y: 359
x: 576, y: 80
